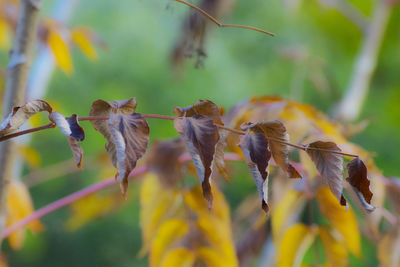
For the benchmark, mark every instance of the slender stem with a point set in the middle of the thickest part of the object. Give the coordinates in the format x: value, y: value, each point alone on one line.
x: 32, y: 130
x: 87, y: 191
x: 219, y: 24
x: 164, y: 117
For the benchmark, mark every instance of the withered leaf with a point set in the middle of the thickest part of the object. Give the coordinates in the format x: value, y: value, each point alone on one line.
x: 163, y: 159
x: 74, y: 132
x: 20, y: 115
x: 210, y: 110
x: 127, y: 134
x: 280, y: 152
x: 200, y: 136
x: 329, y: 165
x: 255, y: 149
x: 359, y: 181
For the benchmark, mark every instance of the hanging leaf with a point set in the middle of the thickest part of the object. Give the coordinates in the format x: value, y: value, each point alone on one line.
x: 170, y: 232
x: 210, y: 110
x: 343, y: 221
x: 74, y: 132
x: 201, y: 136
x: 181, y: 257
x: 20, y: 115
x: 337, y: 254
x: 163, y: 160
x: 295, y: 243
x: 60, y: 52
x: 358, y: 179
x: 127, y: 134
x: 81, y: 37
x: 329, y: 165
x: 254, y: 146
x: 280, y: 152
x: 19, y: 206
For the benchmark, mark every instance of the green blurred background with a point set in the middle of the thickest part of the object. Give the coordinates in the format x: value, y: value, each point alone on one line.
x: 311, y: 40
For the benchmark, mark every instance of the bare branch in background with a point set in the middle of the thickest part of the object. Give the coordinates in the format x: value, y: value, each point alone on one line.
x: 350, y: 106
x: 349, y: 11
x: 17, y: 73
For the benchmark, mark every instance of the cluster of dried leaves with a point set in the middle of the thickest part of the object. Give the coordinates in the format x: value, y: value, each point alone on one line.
x: 260, y: 137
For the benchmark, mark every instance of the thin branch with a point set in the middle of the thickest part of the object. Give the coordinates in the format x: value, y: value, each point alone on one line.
x: 219, y: 24
x: 32, y: 130
x: 87, y: 191
x: 164, y: 117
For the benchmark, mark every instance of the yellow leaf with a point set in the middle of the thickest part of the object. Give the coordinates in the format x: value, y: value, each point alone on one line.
x: 214, y: 225
x: 89, y: 208
x: 19, y: 205
x: 80, y: 38
x: 157, y: 204
x: 343, y: 221
x: 60, y: 52
x: 335, y: 251
x: 30, y: 155
x: 211, y: 258
x: 295, y: 243
x: 4, y: 34
x: 179, y: 257
x: 169, y: 232
x: 280, y: 213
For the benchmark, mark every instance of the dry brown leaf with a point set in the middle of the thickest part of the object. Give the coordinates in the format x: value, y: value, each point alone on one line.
x: 20, y: 115
x: 254, y: 146
x: 358, y: 179
x: 127, y: 134
x: 280, y: 152
x: 210, y: 110
x: 74, y: 132
x: 201, y: 136
x: 329, y: 165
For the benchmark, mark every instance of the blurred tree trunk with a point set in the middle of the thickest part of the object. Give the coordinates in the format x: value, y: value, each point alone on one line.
x: 350, y: 106
x: 16, y: 80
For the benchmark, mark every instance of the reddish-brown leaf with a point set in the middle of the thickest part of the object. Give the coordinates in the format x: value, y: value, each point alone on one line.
x: 201, y: 136
x: 359, y: 181
x: 280, y: 152
x: 210, y: 110
x: 163, y: 159
x: 20, y: 115
x: 255, y: 149
x: 329, y: 165
x: 127, y: 134
x: 74, y: 132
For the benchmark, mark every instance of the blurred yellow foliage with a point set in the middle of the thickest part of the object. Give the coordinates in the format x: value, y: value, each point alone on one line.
x: 60, y: 51
x: 30, y: 155
x: 5, y: 35
x: 178, y: 257
x: 19, y: 205
x: 335, y: 251
x: 295, y: 242
x: 82, y: 40
x: 343, y: 221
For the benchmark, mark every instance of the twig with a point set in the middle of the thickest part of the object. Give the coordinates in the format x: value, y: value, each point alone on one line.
x: 32, y: 130
x: 164, y: 117
x: 85, y: 192
x: 214, y: 20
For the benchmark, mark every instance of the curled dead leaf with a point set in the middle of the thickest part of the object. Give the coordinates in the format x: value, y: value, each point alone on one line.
x: 201, y: 136
x: 359, y: 181
x: 210, y: 110
x: 329, y: 165
x: 255, y: 149
x: 127, y: 134
x: 74, y: 132
x: 20, y: 115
